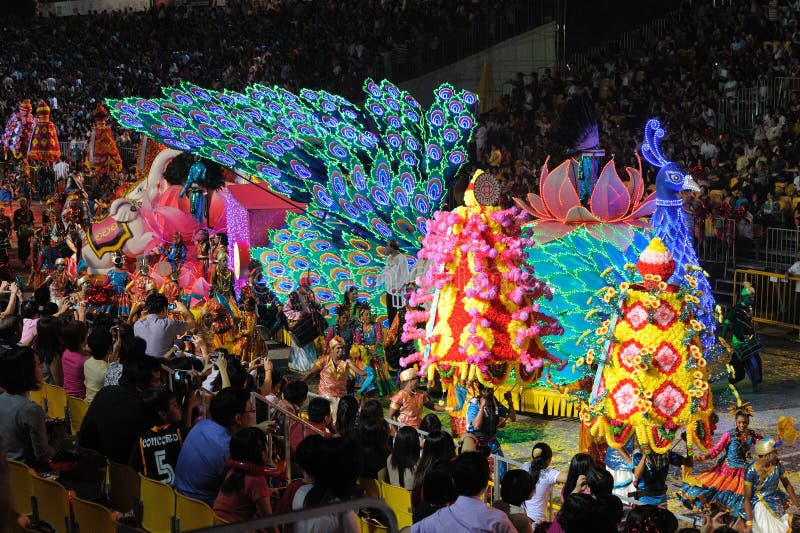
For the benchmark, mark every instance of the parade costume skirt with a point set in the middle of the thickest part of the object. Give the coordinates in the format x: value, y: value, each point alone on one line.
x: 301, y: 357
x: 623, y: 482
x: 722, y: 485
x: 765, y: 520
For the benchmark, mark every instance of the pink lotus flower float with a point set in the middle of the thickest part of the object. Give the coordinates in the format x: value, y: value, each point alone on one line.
x: 557, y: 208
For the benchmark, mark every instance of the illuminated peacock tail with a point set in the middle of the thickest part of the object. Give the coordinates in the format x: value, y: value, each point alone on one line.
x: 367, y: 175
x: 577, y: 265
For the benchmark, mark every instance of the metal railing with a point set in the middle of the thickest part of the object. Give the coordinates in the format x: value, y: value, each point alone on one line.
x: 781, y: 249
x: 718, y: 244
x: 776, y: 301
x: 307, y: 514
x: 738, y: 110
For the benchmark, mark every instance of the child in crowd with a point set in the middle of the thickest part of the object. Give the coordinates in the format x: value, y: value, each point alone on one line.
x: 157, y: 450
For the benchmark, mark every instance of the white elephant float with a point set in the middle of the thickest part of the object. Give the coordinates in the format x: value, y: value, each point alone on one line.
x: 146, y: 217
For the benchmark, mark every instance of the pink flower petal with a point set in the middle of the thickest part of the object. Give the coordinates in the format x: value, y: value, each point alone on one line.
x: 558, y: 191
x: 610, y: 199
x: 635, y: 186
x: 646, y: 208
x: 580, y: 214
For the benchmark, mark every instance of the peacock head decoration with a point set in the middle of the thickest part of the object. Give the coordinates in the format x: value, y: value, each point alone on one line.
x: 672, y: 178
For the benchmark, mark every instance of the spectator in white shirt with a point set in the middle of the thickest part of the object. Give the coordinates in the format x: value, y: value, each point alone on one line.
x: 544, y: 478
x: 394, y: 277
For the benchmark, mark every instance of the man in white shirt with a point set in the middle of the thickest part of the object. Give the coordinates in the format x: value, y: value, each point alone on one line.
x: 468, y: 513
x: 394, y: 277
x: 61, y: 169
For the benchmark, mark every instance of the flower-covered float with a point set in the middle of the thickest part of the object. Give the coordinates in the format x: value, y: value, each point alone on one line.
x: 647, y: 357
x: 484, y: 318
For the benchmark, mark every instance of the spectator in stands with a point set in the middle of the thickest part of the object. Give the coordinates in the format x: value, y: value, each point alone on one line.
x: 468, y: 512
x: 48, y: 347
x: 201, y: 464
x: 245, y: 493
x: 294, y: 396
x: 335, y: 472
x: 73, y: 334
x: 438, y: 445
x: 102, y: 347
x: 579, y: 466
x: 10, y: 331
x: 372, y: 434
x: 544, y: 478
x: 346, y: 416
x: 650, y: 518
x: 438, y: 490
x: 22, y: 422
x: 157, y: 329
x: 516, y: 488
x: 319, y: 417
x: 402, y: 462
x: 430, y: 423
x: 158, y: 447
x: 130, y: 347
x: 115, y: 418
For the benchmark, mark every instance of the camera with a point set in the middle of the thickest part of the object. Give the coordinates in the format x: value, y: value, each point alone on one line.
x: 171, y: 307
x: 215, y: 356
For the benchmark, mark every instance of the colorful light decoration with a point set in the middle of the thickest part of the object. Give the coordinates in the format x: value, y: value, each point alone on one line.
x: 367, y: 175
x: 669, y: 224
x: 573, y: 244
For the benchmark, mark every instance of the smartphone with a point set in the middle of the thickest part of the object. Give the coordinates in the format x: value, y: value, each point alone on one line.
x: 215, y: 357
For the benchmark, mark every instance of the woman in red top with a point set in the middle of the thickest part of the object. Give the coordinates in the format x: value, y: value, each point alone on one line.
x: 245, y: 493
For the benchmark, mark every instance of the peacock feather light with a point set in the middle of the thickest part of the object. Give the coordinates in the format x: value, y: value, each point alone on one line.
x: 484, y: 319
x: 572, y: 244
x: 367, y: 175
x: 651, y: 375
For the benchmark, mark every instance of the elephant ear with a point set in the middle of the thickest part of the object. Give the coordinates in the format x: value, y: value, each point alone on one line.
x: 123, y: 210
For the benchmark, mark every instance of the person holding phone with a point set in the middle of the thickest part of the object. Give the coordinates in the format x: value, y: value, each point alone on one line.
x: 157, y: 329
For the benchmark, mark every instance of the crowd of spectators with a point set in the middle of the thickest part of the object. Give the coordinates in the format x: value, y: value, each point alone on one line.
x: 705, y: 54
x: 74, y: 62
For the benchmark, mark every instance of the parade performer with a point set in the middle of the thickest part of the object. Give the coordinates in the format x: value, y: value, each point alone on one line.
x: 745, y: 359
x: 102, y: 154
x: 202, y: 247
x: 345, y: 328
x: 58, y: 282
x: 765, y: 504
x: 219, y: 323
x: 723, y: 484
x: 306, y: 321
x: 44, y: 145
x: 172, y: 289
x: 406, y: 405
x: 35, y: 276
x: 395, y: 348
x: 251, y: 344
x: 19, y: 128
x: 175, y: 253
x: 222, y: 281
x: 118, y: 279
x: 370, y: 333
x: 140, y: 286
x: 647, y: 357
x: 484, y: 416
x: 268, y: 307
x: 334, y: 369
x: 219, y: 250
x: 23, y: 224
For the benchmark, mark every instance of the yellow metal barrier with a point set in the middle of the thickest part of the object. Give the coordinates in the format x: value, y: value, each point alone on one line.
x: 777, y: 300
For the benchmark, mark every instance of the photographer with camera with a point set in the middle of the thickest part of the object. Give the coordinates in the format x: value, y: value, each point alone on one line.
x: 157, y: 329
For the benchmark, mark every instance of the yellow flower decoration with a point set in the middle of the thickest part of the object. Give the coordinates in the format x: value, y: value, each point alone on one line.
x: 662, y: 285
x: 624, y: 286
x: 637, y: 360
x: 579, y: 362
x: 698, y: 375
x: 589, y: 358
x: 701, y: 362
x: 693, y: 283
x: 648, y: 394
x: 698, y: 383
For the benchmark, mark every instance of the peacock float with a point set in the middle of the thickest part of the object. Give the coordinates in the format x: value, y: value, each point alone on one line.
x: 574, y: 241
x: 366, y: 175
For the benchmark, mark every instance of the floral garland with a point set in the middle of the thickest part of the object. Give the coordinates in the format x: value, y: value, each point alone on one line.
x: 651, y: 370
x: 487, y: 320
